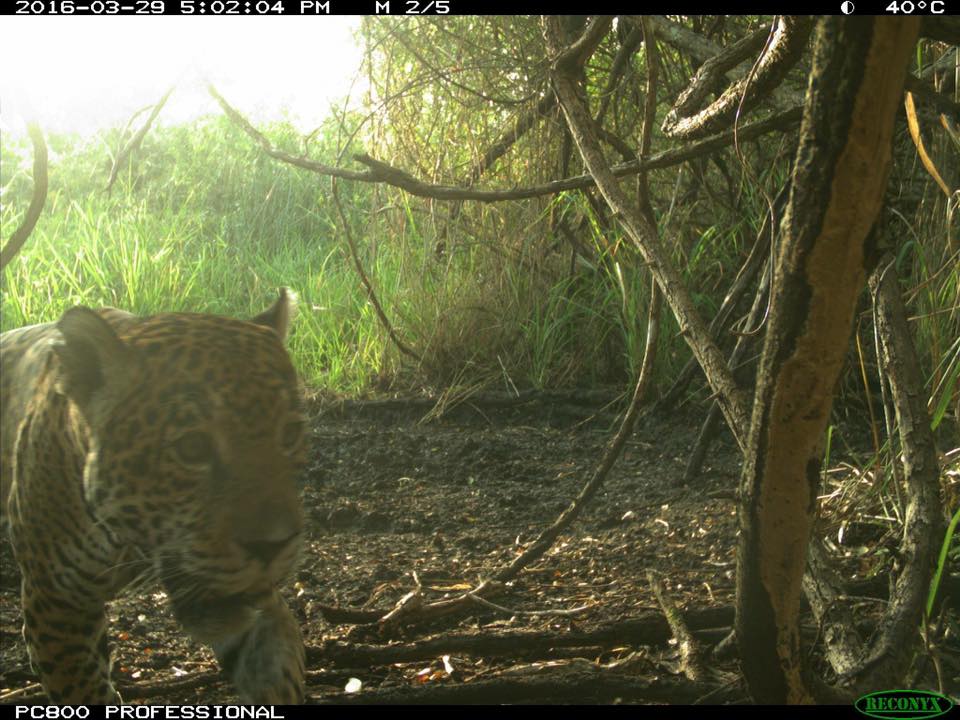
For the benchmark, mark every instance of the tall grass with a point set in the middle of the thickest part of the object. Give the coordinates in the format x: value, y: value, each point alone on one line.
x: 203, y: 221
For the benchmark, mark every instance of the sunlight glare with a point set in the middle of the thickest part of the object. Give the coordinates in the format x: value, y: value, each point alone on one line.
x: 81, y: 74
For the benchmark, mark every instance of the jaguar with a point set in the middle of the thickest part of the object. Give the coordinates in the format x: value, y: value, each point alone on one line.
x: 163, y: 448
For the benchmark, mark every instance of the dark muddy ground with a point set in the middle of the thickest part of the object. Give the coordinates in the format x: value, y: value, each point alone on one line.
x: 393, y: 500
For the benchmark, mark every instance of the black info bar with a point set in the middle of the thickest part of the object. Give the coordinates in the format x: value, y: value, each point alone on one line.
x: 154, y: 712
x: 309, y: 8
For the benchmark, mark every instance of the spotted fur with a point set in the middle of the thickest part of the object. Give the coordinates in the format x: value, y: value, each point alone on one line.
x: 166, y: 448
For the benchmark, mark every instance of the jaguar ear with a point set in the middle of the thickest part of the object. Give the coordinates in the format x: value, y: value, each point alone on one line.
x: 280, y: 314
x: 95, y: 365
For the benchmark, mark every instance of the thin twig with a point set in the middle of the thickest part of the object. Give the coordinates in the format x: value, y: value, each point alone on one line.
x: 559, y: 612
x: 371, y: 294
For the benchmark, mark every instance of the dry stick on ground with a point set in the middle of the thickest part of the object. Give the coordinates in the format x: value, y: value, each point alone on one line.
x: 691, y: 654
x: 559, y: 612
x: 128, y: 690
x: 135, y: 141
x: 576, y: 681
x: 381, y: 172
x: 40, y: 180
x: 411, y: 607
x: 25, y: 694
x: 368, y: 286
x: 650, y: 628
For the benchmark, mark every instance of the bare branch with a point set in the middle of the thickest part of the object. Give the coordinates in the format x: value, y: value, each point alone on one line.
x: 40, y: 182
x: 135, y: 141
x: 711, y: 72
x: 577, y: 54
x: 368, y: 286
x: 691, y: 652
x: 381, y: 172
x: 701, y: 50
x: 268, y: 148
x: 621, y: 62
x: 518, y: 128
x: 788, y: 40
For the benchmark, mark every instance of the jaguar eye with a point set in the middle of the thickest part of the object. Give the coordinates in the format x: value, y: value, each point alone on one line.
x: 194, y: 448
x: 292, y: 433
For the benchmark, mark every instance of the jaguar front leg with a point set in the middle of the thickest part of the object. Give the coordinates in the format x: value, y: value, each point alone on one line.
x: 267, y: 662
x: 68, y: 647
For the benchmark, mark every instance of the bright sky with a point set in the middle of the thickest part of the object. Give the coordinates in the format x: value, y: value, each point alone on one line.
x: 83, y: 73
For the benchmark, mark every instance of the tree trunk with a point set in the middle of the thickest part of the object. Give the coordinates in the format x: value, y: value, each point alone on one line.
x: 840, y: 174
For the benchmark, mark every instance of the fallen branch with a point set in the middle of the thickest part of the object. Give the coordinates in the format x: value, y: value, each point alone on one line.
x: 648, y: 629
x: 576, y: 681
x: 691, y: 654
x: 33, y: 693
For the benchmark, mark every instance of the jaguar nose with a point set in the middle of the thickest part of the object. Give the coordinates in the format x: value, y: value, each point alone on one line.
x: 266, y: 551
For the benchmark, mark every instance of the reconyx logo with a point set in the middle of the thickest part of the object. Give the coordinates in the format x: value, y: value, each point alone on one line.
x: 914, y: 704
